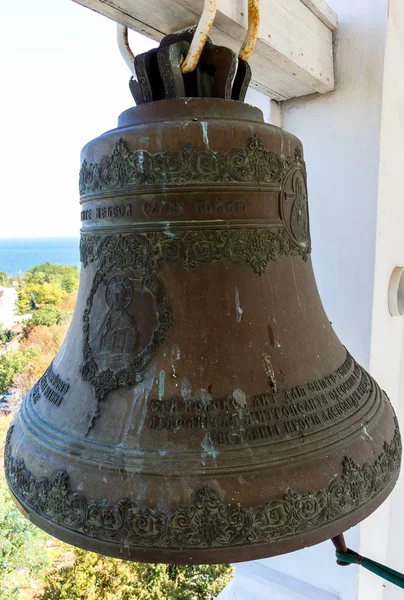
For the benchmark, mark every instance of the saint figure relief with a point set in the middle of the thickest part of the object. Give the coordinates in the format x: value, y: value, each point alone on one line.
x: 299, y: 221
x: 116, y: 341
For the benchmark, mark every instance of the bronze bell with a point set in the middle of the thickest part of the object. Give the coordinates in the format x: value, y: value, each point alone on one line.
x: 201, y: 408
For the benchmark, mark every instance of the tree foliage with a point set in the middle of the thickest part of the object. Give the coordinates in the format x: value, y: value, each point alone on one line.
x: 64, y: 276
x: 94, y: 577
x: 23, y: 548
x: 5, y: 279
x: 47, y: 341
x: 23, y: 552
x: 48, y: 284
x: 49, y: 315
x: 69, y: 302
x: 13, y: 363
x: 6, y: 335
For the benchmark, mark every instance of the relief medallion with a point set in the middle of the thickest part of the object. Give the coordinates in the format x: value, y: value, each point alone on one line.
x: 126, y: 316
x: 294, y: 202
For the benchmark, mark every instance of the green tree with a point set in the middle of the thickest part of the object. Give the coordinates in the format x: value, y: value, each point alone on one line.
x: 44, y: 293
x: 23, y: 548
x: 200, y: 582
x: 94, y: 577
x: 64, y: 276
x: 49, y: 284
x: 12, y: 363
x: 23, y: 552
x: 5, y: 334
x: 49, y: 315
x: 5, y: 279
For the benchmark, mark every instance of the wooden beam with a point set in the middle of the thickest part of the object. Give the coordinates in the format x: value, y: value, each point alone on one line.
x: 324, y: 12
x: 294, y: 53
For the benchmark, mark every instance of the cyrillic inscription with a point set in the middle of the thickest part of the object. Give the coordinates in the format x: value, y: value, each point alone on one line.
x: 114, y: 211
x: 107, y: 212
x: 86, y: 215
x: 163, y: 208
x: 222, y: 206
x: 291, y: 413
x: 166, y: 209
x: 51, y: 386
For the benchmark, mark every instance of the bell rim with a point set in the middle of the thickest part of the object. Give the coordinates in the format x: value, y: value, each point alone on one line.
x: 195, y: 556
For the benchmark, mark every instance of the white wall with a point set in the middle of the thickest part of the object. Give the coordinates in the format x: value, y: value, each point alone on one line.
x: 341, y: 136
x: 384, y: 537
x: 310, y: 574
x: 8, y: 309
x: 260, y: 101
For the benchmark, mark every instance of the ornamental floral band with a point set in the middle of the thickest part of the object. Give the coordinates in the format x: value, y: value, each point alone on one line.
x: 207, y: 521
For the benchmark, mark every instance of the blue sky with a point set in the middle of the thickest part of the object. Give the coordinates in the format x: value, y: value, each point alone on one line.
x: 63, y: 82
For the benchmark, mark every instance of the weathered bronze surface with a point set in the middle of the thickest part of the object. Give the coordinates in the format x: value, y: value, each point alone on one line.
x: 201, y: 408
x: 219, y: 73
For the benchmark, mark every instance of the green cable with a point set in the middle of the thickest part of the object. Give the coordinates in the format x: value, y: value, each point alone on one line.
x: 386, y: 573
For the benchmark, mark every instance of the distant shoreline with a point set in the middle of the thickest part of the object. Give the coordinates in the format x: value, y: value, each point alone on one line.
x: 18, y: 255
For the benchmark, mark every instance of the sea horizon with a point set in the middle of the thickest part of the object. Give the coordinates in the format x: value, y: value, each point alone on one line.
x: 19, y: 254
